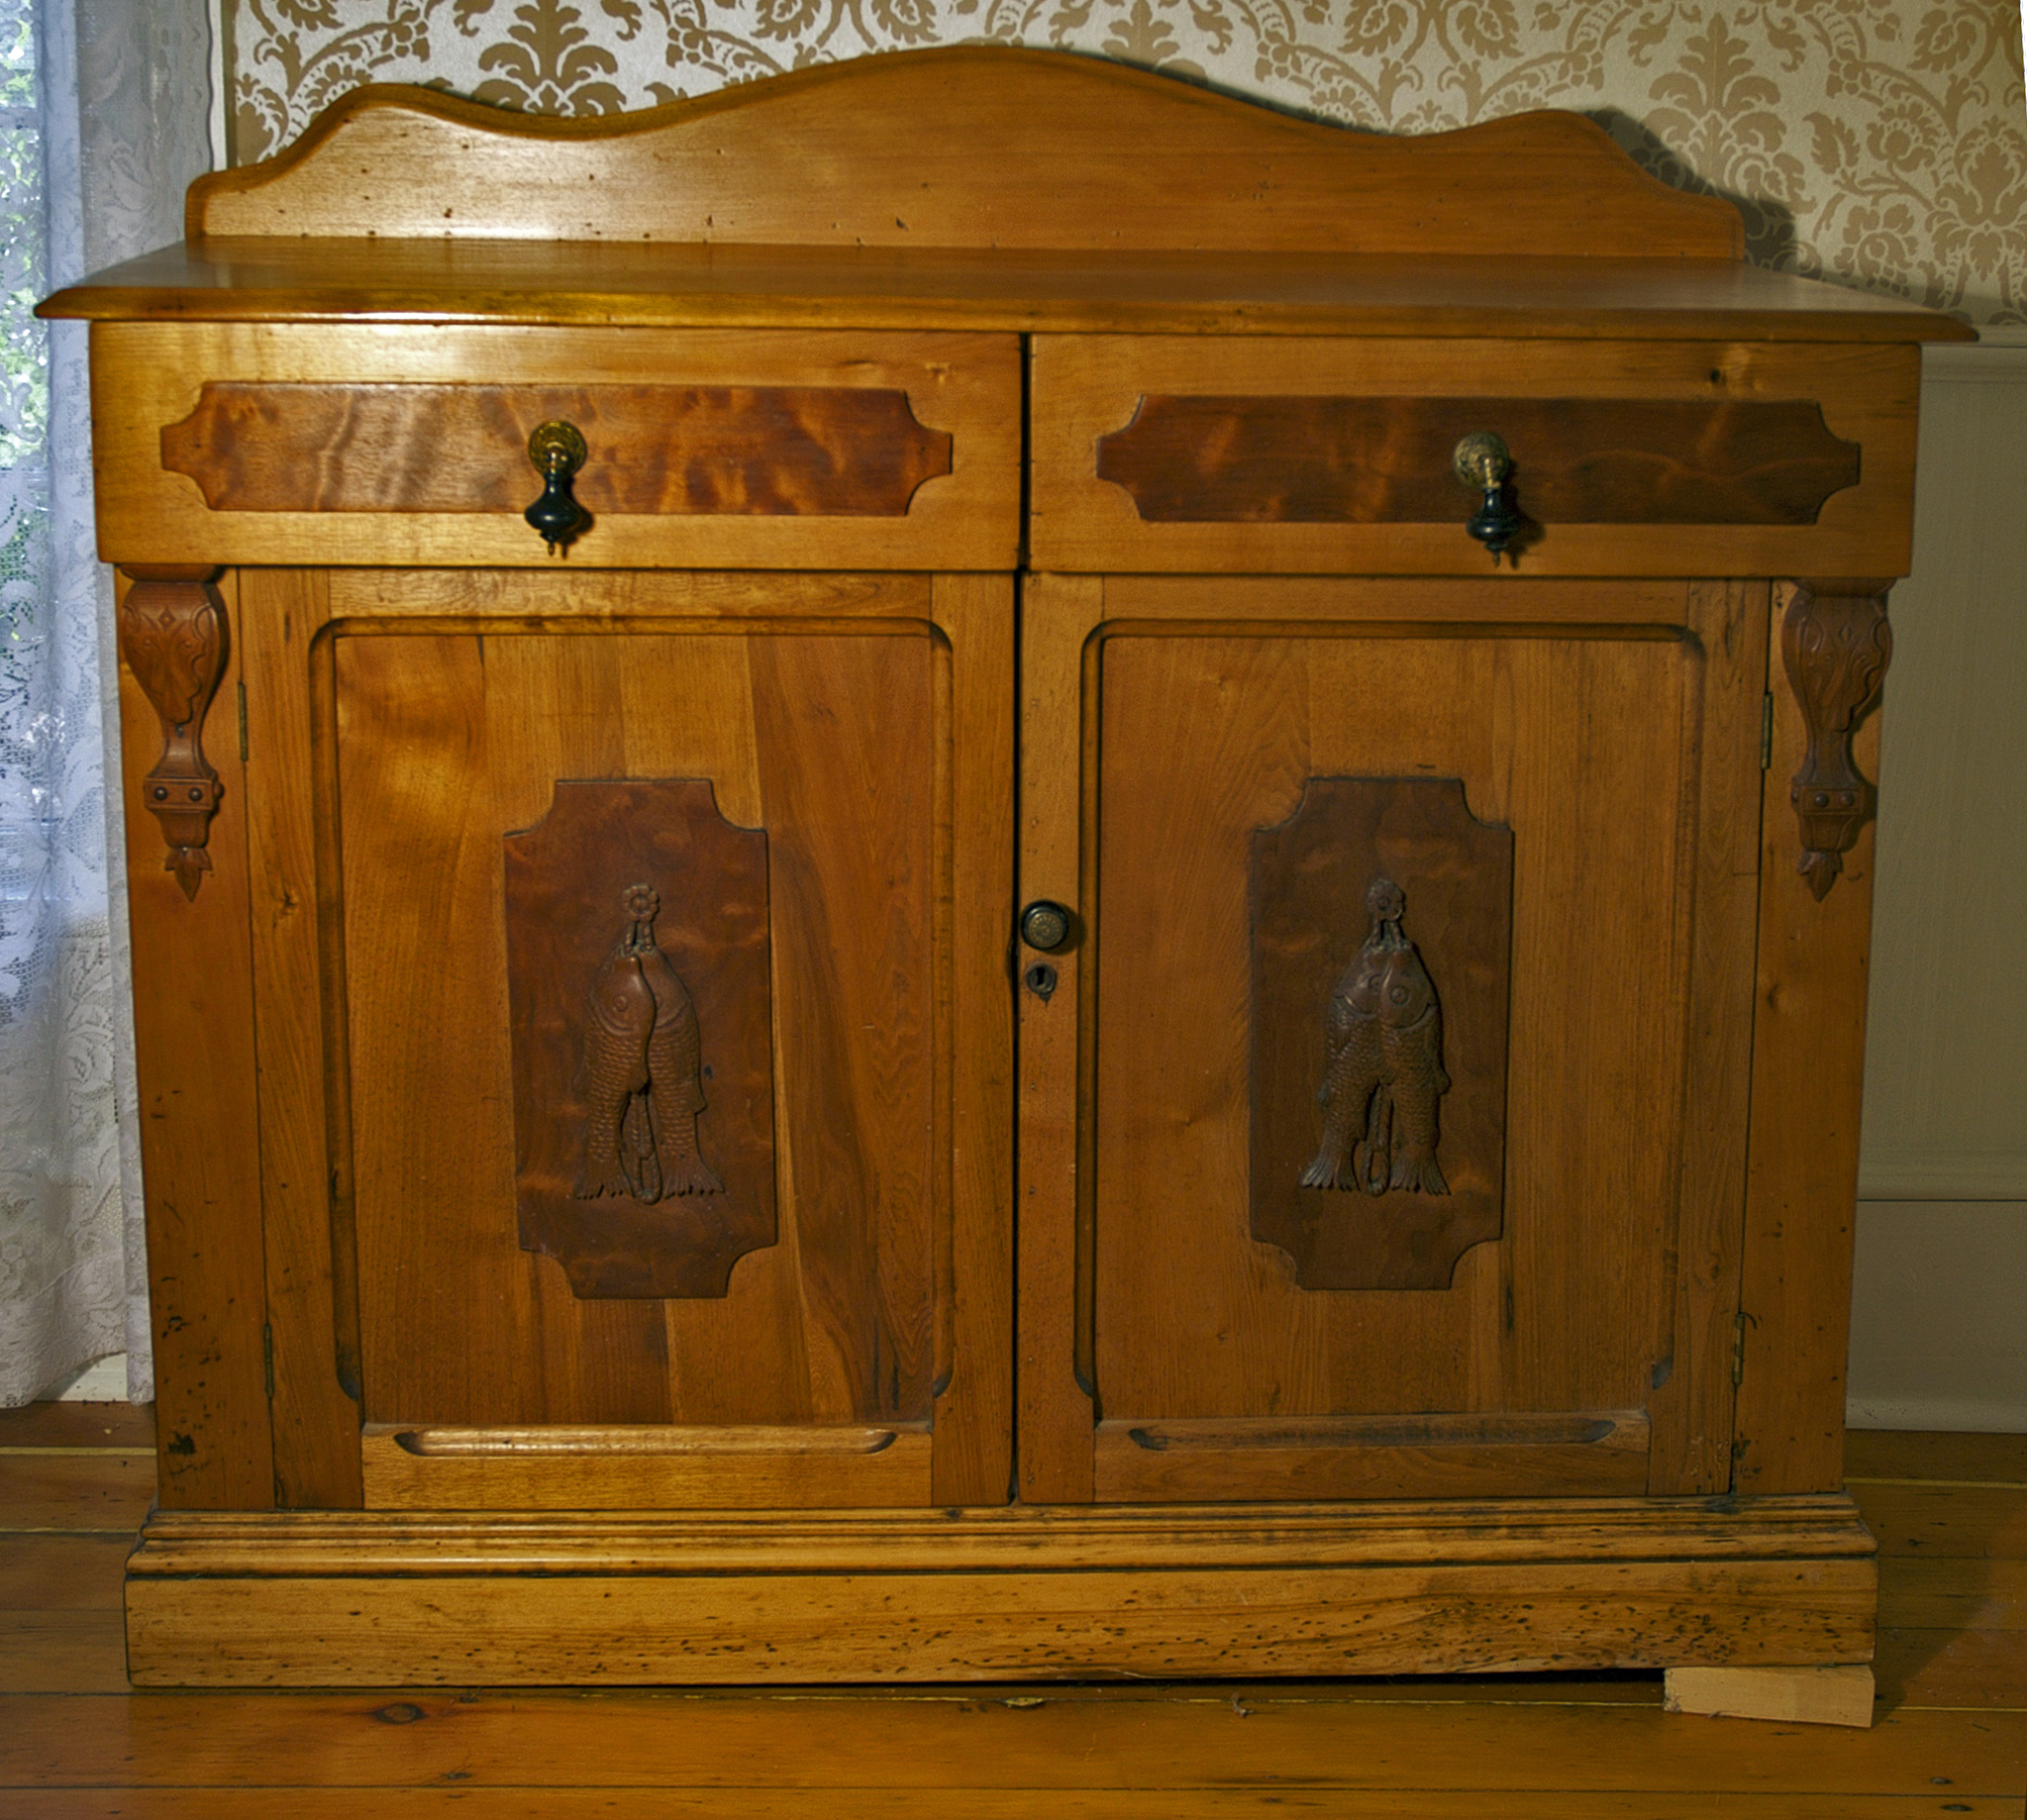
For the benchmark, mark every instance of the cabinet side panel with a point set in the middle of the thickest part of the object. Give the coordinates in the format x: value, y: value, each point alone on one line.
x: 1801, y: 1183
x: 193, y: 1028
x: 305, y: 1181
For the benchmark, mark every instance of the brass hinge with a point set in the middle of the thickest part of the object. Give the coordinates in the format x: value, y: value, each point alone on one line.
x: 1738, y: 1350
x: 243, y: 723
x: 267, y: 1357
x: 1766, y: 729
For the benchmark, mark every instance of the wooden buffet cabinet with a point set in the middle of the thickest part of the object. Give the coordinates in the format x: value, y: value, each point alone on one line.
x: 1015, y: 1017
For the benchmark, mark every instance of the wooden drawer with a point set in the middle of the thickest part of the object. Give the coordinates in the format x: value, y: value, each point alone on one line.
x: 1325, y: 456
x: 250, y: 444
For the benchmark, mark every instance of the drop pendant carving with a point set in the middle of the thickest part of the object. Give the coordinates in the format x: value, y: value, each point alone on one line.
x: 1382, y: 1072
x: 172, y: 635
x: 643, y: 1078
x: 1834, y: 647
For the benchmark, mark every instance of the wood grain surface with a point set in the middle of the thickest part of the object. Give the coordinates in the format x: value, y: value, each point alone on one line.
x: 1310, y: 881
x: 1801, y: 1185
x: 76, y: 1744
x: 306, y: 1177
x: 1232, y: 460
x: 1000, y: 290
x: 711, y: 450
x: 828, y: 743
x: 200, y: 1141
x: 568, y: 883
x: 616, y: 1467
x: 1580, y: 744
x: 1035, y: 149
x: 1057, y: 779
x: 1020, y: 1593
x: 1086, y: 389
x: 1368, y: 1456
x: 1691, y: 1407
x: 974, y: 1416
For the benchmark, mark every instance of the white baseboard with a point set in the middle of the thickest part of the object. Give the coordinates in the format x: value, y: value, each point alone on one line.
x: 1937, y: 1336
x: 1960, y: 1418
x: 104, y: 1381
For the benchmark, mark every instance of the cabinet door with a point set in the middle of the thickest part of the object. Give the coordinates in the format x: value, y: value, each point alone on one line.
x: 1408, y: 1025
x: 652, y: 897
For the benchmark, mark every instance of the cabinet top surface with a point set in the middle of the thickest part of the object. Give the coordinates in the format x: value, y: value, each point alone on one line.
x: 989, y: 188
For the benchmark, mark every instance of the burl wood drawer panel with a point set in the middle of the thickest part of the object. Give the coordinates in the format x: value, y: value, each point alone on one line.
x: 1321, y: 456
x: 408, y: 444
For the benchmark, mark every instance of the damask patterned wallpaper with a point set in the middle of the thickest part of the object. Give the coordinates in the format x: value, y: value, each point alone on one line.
x: 1882, y: 143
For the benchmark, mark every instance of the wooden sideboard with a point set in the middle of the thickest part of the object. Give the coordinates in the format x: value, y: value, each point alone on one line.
x: 998, y: 1010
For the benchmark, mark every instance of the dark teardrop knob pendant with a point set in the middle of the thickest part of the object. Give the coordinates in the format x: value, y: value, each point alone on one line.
x: 558, y: 451
x: 1482, y: 461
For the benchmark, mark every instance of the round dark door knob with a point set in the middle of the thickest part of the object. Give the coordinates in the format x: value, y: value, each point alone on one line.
x: 1044, y: 926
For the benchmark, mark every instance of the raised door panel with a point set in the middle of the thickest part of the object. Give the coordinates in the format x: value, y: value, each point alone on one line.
x: 746, y: 1299
x: 1473, y: 1288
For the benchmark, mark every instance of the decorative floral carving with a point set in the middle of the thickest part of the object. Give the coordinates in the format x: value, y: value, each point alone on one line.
x: 1868, y: 140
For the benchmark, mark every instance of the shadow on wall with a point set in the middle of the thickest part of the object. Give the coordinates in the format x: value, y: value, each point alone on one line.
x: 1770, y: 237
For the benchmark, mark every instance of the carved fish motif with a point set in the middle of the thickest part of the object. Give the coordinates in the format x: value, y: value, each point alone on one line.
x: 1382, y: 1070
x: 643, y: 1072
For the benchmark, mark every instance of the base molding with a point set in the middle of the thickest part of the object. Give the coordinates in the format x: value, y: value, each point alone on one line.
x: 462, y: 1597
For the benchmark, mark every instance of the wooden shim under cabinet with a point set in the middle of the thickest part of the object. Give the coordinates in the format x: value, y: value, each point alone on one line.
x: 448, y: 1598
x: 420, y: 1467
x: 1372, y: 1457
x: 1829, y: 1694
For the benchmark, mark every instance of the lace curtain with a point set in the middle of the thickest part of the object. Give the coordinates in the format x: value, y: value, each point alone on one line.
x: 104, y: 115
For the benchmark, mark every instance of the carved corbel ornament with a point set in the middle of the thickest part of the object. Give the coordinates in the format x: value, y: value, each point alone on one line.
x: 172, y: 635
x: 1836, y: 644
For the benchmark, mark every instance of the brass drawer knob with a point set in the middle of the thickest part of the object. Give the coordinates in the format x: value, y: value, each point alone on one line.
x: 1484, y: 461
x: 558, y: 451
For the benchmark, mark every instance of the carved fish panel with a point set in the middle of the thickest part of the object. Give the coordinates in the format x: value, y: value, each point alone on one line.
x: 1382, y: 919
x: 639, y: 993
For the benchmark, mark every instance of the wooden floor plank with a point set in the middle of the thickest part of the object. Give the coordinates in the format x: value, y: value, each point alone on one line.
x: 69, y: 1488
x: 74, y: 1745
x: 1900, y: 1453
x: 1930, y: 1520
x: 1951, y: 1668
x: 1954, y: 1592
x: 58, y: 1572
x: 79, y: 1425
x: 829, y: 1741
x: 462, y: 1802
x: 62, y: 1652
